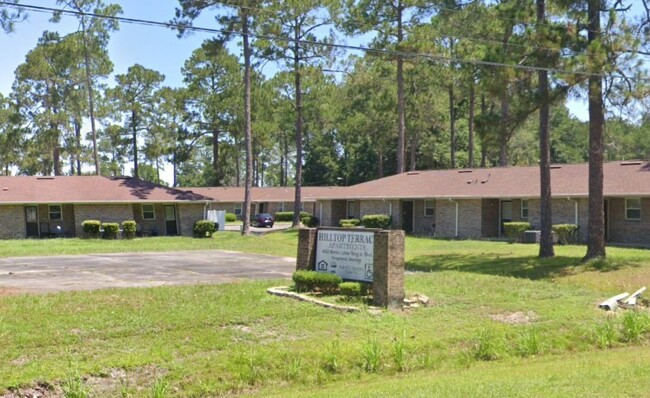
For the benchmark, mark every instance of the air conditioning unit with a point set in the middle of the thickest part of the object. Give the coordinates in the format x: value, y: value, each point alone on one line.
x: 532, y: 236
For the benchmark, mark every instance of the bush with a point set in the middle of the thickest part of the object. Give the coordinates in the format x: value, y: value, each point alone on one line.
x: 353, y: 289
x: 231, y: 217
x: 111, y: 230
x: 129, y: 227
x: 307, y: 281
x: 381, y: 221
x: 349, y: 223
x: 567, y: 234
x: 310, y: 221
x: 515, y: 230
x: 204, y: 228
x: 287, y: 216
x: 91, y: 228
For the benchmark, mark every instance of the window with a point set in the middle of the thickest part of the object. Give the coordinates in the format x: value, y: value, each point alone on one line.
x: 351, y: 206
x: 633, y: 209
x: 55, y: 212
x: 281, y: 207
x: 429, y: 208
x: 238, y: 207
x: 148, y: 212
x: 524, y: 209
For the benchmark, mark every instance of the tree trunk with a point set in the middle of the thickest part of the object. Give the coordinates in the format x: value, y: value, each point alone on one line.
x: 414, y: 151
x: 298, y: 90
x: 503, y: 133
x: 452, y: 126
x: 380, y: 163
x: 91, y: 101
x: 401, y: 118
x: 596, y: 223
x: 134, y: 133
x: 483, y: 143
x: 77, y: 137
x: 247, y: 124
x: 470, y: 121
x: 215, y: 158
x: 546, y: 216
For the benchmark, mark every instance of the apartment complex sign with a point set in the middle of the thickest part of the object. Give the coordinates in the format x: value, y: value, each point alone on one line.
x: 346, y: 253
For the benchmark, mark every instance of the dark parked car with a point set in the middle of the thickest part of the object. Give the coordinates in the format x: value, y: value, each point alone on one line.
x: 263, y: 220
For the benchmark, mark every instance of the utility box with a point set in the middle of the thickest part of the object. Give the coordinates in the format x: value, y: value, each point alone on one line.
x: 218, y: 217
x: 532, y: 236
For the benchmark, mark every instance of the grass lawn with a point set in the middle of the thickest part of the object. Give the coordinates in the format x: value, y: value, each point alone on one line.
x: 502, y: 323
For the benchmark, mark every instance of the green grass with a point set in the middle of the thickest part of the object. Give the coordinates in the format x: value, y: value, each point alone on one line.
x: 502, y: 323
x: 276, y: 243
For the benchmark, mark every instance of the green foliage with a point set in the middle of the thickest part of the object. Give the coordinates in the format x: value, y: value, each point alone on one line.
x: 231, y: 217
x: 635, y: 325
x: 349, y: 223
x: 351, y: 289
x: 489, y: 346
x: 529, y: 343
x: 74, y: 387
x: 287, y: 216
x: 310, y: 221
x: 381, y: 221
x: 371, y: 356
x: 91, y: 228
x: 129, y: 227
x: 111, y: 230
x: 567, y: 233
x: 307, y: 281
x: 605, y: 334
x: 515, y: 230
x: 204, y: 228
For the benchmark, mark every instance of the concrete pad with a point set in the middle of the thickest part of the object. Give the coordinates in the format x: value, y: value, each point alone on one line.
x: 99, y: 271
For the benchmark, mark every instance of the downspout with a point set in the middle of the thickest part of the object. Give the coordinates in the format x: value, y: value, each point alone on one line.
x: 320, y: 212
x: 205, y: 210
x: 456, y: 229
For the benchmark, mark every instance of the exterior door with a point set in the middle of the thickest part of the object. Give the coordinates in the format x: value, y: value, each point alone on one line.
x: 506, y: 214
x: 31, y: 221
x: 261, y: 208
x: 407, y: 217
x: 171, y: 227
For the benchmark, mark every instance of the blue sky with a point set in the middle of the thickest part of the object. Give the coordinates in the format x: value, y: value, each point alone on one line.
x: 153, y: 47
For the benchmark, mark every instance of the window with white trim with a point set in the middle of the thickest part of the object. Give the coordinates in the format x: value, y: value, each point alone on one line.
x: 524, y: 209
x: 148, y: 212
x: 56, y: 212
x: 238, y: 207
x: 632, y: 208
x: 351, y: 208
x: 429, y: 208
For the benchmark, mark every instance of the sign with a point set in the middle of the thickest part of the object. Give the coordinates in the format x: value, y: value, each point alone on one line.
x: 348, y: 254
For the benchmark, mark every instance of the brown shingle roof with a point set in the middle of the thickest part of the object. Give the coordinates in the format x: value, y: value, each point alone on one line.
x: 266, y: 194
x: 620, y: 179
x: 88, y: 189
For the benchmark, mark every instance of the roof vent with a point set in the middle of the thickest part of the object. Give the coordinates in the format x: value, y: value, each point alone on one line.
x: 413, y: 173
x: 555, y: 166
x: 631, y: 163
x: 45, y: 178
x: 464, y: 171
x: 5, y: 188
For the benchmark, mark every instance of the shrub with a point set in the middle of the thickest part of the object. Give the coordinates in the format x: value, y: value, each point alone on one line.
x: 204, y: 228
x: 111, y: 230
x: 306, y: 281
x: 310, y: 221
x: 91, y: 228
x: 129, y: 227
x: 567, y: 234
x: 349, y: 223
x: 381, y: 221
x: 353, y: 289
x: 287, y: 216
x: 231, y: 217
x: 515, y: 230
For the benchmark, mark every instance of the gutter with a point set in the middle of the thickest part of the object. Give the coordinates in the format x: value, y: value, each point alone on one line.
x: 456, y: 229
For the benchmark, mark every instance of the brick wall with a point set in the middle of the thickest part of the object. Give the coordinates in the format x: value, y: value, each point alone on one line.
x: 102, y: 212
x: 628, y: 231
x: 67, y: 223
x: 12, y: 219
x: 563, y: 213
x: 187, y: 215
x: 469, y: 218
x: 423, y: 225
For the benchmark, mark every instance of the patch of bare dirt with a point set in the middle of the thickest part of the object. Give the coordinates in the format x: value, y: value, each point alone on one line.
x: 515, y: 318
x: 5, y: 292
x: 114, y: 382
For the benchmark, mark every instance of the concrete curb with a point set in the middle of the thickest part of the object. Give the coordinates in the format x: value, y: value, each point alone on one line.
x: 282, y: 291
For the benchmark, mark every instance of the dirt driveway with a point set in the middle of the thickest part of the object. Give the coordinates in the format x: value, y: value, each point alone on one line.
x: 98, y: 271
